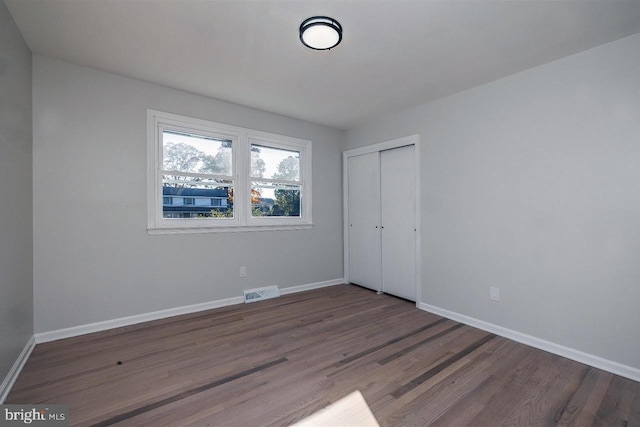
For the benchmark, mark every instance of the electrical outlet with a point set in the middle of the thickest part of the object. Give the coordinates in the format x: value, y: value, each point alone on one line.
x: 494, y: 294
x: 243, y: 271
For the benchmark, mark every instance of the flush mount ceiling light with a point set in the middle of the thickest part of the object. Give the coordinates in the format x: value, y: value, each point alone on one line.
x: 320, y: 33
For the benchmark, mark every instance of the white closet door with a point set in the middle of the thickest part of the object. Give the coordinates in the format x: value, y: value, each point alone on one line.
x: 398, y: 193
x: 364, y: 221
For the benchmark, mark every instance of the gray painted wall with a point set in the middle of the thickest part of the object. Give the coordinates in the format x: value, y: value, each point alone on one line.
x: 16, y: 266
x: 532, y: 184
x: 93, y: 258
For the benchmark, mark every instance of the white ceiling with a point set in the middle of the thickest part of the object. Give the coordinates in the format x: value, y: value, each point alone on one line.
x: 395, y: 53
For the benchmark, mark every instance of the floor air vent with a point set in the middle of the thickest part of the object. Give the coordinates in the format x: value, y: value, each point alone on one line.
x: 258, y: 294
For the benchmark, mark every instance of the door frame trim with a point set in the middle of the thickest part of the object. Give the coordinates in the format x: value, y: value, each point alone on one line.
x: 373, y: 148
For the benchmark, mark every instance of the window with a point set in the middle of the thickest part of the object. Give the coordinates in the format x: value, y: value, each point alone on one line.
x: 209, y: 177
x: 275, y: 181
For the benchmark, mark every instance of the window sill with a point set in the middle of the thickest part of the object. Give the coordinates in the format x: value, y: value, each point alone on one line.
x: 228, y: 229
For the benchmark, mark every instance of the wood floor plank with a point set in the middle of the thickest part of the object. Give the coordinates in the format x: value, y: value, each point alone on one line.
x: 414, y: 382
x: 386, y: 343
x: 185, y: 394
x: 634, y: 411
x: 430, y: 402
x: 517, y: 384
x: 275, y: 362
x: 594, y: 400
x: 506, y: 358
x: 537, y: 407
x: 612, y: 409
x: 569, y: 411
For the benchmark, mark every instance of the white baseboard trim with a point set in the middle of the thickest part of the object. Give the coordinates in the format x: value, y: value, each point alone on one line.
x: 75, y: 331
x: 570, y: 353
x: 310, y: 286
x: 15, y: 370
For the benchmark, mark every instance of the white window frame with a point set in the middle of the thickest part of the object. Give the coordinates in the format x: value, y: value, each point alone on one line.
x: 242, y: 139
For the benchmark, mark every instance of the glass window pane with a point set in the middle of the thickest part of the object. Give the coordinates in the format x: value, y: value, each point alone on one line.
x: 183, y: 152
x: 191, y: 198
x: 275, y: 163
x: 269, y: 199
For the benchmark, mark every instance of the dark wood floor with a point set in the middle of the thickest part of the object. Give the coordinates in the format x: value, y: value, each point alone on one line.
x: 277, y: 361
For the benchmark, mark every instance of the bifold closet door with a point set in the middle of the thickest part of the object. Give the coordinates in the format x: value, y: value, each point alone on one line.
x: 364, y: 221
x: 398, y: 204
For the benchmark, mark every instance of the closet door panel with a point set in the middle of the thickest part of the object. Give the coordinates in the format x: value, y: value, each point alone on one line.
x: 364, y: 221
x: 398, y: 219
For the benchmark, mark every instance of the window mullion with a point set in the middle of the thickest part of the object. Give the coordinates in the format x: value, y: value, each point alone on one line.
x: 196, y: 175
x: 241, y: 172
x: 157, y: 170
x: 276, y: 181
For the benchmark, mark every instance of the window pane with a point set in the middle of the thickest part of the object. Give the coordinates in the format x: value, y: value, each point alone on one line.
x: 196, y: 198
x: 269, y: 199
x: 275, y: 163
x: 184, y: 152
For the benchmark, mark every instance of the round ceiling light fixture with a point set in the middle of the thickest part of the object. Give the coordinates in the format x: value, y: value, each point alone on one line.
x: 320, y: 33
